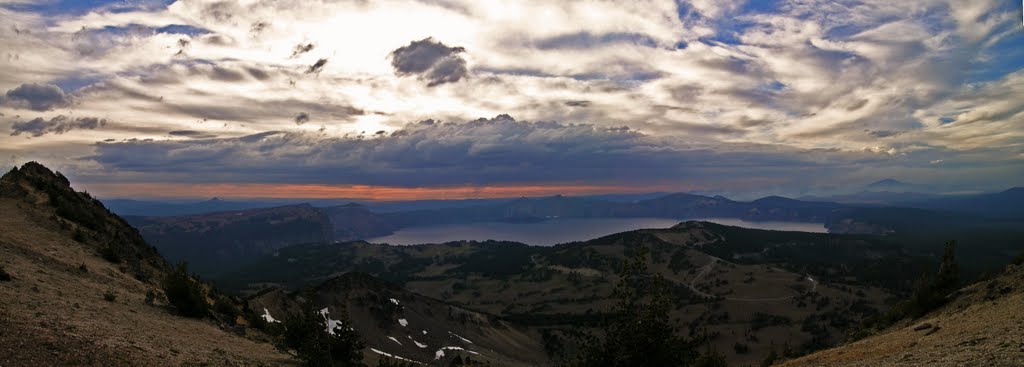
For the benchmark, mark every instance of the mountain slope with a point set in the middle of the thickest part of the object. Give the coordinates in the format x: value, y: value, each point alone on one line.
x: 981, y: 326
x: 55, y: 310
x: 216, y: 242
x: 354, y: 221
x: 396, y: 322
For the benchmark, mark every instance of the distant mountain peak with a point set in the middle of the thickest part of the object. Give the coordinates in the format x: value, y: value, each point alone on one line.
x: 887, y: 181
x: 891, y: 184
x: 775, y: 199
x: 352, y: 204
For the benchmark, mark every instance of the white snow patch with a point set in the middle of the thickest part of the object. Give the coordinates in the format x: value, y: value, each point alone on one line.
x: 395, y: 340
x: 463, y: 339
x: 395, y: 301
x: 440, y: 352
x: 389, y: 355
x: 330, y: 324
x: 424, y: 332
x: 418, y: 344
x: 266, y: 316
x: 403, y: 322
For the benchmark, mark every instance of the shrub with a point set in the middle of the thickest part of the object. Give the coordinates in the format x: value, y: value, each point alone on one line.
x: 110, y: 296
x: 930, y: 292
x: 740, y: 348
x: 78, y: 236
x: 225, y: 306
x: 1019, y: 260
x: 151, y: 297
x: 391, y: 362
x: 3, y: 275
x: 710, y: 358
x: 110, y: 253
x: 770, y: 358
x: 185, y: 293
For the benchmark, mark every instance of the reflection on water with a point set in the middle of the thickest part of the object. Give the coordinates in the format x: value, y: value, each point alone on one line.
x: 560, y: 230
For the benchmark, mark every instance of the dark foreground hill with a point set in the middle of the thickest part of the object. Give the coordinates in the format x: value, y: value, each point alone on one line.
x: 407, y: 326
x: 76, y: 285
x: 982, y: 325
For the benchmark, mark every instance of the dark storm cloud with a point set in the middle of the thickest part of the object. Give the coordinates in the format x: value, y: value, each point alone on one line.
x: 301, y: 49
x: 882, y: 133
x: 577, y: 103
x: 301, y: 118
x: 225, y: 74
x: 192, y: 134
x: 258, y: 73
x: 587, y: 40
x: 57, y: 125
x: 429, y: 60
x: 481, y: 151
x: 316, y: 67
x: 38, y: 97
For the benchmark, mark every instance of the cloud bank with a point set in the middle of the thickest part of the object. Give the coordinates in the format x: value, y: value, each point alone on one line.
x: 877, y: 87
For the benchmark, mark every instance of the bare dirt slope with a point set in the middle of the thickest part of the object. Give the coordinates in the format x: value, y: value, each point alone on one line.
x: 982, y: 326
x: 67, y: 306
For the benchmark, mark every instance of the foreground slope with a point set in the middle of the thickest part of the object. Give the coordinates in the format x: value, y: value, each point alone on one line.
x: 395, y: 322
x: 67, y: 304
x: 982, y: 326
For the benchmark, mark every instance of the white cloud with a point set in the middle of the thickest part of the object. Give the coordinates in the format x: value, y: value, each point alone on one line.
x: 807, y: 74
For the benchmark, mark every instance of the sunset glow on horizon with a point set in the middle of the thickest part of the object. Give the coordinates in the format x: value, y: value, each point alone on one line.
x: 361, y: 192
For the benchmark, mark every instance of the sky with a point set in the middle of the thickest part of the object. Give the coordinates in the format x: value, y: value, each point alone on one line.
x: 457, y: 99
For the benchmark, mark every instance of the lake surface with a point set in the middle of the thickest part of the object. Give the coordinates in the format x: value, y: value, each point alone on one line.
x: 561, y: 230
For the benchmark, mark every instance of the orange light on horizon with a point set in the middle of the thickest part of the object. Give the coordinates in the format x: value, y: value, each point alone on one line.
x: 362, y: 192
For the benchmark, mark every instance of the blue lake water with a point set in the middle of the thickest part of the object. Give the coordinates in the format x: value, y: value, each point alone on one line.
x: 561, y: 230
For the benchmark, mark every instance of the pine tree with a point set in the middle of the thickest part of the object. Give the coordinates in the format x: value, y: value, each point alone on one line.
x: 640, y: 333
x: 306, y: 332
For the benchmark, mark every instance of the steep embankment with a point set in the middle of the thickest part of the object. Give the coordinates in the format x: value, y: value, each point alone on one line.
x: 79, y: 280
x: 982, y: 326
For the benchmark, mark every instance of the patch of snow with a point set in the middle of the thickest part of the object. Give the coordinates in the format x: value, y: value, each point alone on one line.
x: 403, y: 322
x: 395, y: 301
x: 463, y: 339
x: 330, y: 324
x: 440, y: 352
x: 418, y: 344
x: 424, y: 332
x: 389, y: 355
x: 266, y: 316
x: 395, y: 340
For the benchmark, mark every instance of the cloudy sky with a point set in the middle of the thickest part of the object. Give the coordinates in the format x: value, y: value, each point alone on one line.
x: 451, y: 98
